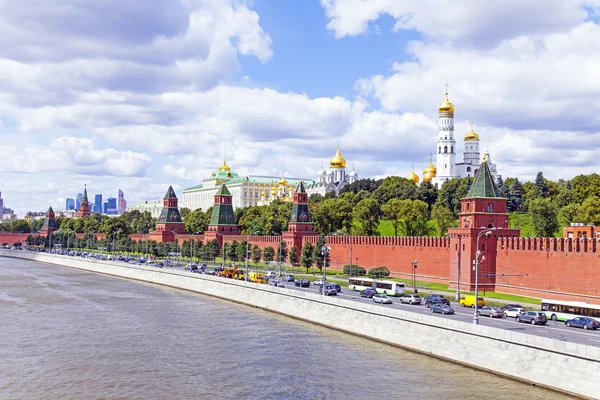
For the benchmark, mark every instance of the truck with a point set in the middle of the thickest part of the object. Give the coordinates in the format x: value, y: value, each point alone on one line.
x: 257, y: 277
x: 228, y: 272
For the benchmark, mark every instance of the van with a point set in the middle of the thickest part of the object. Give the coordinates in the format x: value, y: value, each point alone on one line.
x: 469, y: 301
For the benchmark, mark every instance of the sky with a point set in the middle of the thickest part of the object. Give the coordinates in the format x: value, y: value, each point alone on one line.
x: 141, y: 94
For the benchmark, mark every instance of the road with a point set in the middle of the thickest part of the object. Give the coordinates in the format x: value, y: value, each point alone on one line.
x: 553, y: 329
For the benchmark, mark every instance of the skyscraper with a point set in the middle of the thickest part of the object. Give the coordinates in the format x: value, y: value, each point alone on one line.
x: 78, y: 201
x: 121, y: 203
x: 70, y: 204
x: 98, y: 204
x: 111, y: 206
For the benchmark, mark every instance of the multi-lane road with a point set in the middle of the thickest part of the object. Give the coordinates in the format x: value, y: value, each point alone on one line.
x: 553, y: 329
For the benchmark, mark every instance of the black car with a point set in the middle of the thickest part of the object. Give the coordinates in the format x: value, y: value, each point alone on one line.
x: 369, y: 293
x: 337, y: 287
x: 436, y: 299
x: 508, y: 306
x: 302, y: 283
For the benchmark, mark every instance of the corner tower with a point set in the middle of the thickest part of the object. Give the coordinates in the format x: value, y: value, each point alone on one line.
x: 169, y: 222
x: 446, y: 157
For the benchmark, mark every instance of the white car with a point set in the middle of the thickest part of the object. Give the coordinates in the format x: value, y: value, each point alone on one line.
x: 513, y: 312
x: 318, y: 282
x: 382, y: 298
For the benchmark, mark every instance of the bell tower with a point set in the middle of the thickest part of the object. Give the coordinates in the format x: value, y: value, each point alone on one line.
x: 446, y: 145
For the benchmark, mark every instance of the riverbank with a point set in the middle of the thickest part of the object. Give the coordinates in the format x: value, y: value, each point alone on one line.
x: 528, y: 358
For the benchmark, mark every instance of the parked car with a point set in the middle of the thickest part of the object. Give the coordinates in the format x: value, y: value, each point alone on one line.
x: 435, y: 298
x: 469, y: 301
x: 492, y: 312
x: 288, y: 278
x: 209, y: 271
x: 508, y: 306
x: 302, y: 283
x: 513, y: 312
x: 382, y: 298
x: 270, y: 275
x: 533, y: 317
x: 277, y: 283
x: 410, y: 299
x: 583, y: 322
x: 318, y: 282
x: 329, y: 290
x: 369, y: 293
x: 337, y: 287
x: 441, y: 308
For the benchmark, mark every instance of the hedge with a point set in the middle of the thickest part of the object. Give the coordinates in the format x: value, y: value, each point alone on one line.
x: 357, y: 270
x: 379, y: 272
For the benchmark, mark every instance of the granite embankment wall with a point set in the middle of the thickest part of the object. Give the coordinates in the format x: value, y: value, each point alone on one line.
x: 568, y: 367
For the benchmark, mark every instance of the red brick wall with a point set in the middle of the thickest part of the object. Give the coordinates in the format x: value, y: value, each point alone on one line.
x: 11, y: 238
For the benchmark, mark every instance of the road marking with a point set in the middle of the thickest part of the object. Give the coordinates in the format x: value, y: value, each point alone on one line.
x: 595, y: 340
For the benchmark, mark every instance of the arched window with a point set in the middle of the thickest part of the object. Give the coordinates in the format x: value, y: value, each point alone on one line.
x: 440, y: 149
x: 468, y: 169
x: 452, y: 149
x: 490, y: 225
x: 445, y: 149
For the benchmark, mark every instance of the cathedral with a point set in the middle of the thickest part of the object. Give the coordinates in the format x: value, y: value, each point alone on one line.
x: 335, y: 179
x: 446, y: 166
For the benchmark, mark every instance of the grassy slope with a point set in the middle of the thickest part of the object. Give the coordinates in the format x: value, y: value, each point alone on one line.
x: 523, y: 222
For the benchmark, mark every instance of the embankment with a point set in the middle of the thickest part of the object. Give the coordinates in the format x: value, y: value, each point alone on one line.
x: 562, y: 366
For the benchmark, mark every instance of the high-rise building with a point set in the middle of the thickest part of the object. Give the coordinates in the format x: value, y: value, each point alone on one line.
x: 121, y: 203
x: 98, y: 204
x: 111, y: 206
x: 78, y: 201
x: 1, y: 206
x: 70, y: 204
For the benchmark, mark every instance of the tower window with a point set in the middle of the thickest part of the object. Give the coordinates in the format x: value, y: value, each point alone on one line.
x: 490, y: 206
x: 445, y: 149
x: 439, y: 149
x: 452, y: 149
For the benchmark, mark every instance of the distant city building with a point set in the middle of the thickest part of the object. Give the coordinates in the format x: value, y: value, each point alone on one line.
x: 1, y: 206
x: 70, y: 204
x: 153, y: 207
x: 97, y: 204
x: 32, y: 215
x: 110, y: 206
x: 66, y: 214
x: 8, y: 214
x: 121, y: 203
x: 78, y: 201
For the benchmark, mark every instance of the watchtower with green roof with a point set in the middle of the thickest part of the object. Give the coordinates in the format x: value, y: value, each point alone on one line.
x: 222, y: 219
x: 169, y: 222
x: 482, y: 220
x: 300, y: 224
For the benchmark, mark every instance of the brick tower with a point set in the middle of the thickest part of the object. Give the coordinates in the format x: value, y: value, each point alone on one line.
x: 222, y: 220
x: 482, y: 209
x: 50, y: 224
x: 169, y: 222
x: 84, y: 208
x: 300, y: 224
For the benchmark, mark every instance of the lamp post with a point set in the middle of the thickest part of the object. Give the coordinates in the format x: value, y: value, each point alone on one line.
x: 248, y: 253
x: 477, y: 255
x: 414, y: 264
x: 458, y: 268
x: 351, y: 256
x: 324, y: 251
x: 50, y: 241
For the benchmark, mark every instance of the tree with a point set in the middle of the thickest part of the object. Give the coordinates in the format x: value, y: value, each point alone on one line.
x: 544, y: 217
x: 428, y: 194
x: 393, y: 212
x: 184, y: 212
x: 589, y: 211
x: 366, y: 213
x: 268, y: 254
x: 395, y: 187
x: 414, y: 217
x: 332, y: 215
x: 568, y: 214
x: 443, y: 218
x: 317, y: 256
x: 542, y: 185
x: 240, y: 251
x: 256, y: 254
x: 231, y: 250
x: 515, y: 197
x: 282, y: 252
x: 294, y: 255
x: 369, y: 185
x: 196, y: 221
x: 452, y: 192
x: 585, y: 186
x: 502, y: 187
x: 212, y: 249
x: 306, y: 259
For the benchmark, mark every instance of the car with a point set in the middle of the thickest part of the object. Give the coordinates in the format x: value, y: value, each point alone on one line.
x: 410, y: 299
x: 277, y: 283
x: 270, y: 275
x: 508, y: 306
x: 533, y: 317
x: 469, y: 301
x: 491, y: 312
x: 328, y: 290
x: 369, y: 293
x: 435, y: 298
x: 337, y: 287
x: 288, y: 278
x: 441, y: 308
x: 318, y: 282
x: 382, y: 298
x: 583, y: 322
x: 302, y: 283
x: 513, y: 312
x: 209, y: 271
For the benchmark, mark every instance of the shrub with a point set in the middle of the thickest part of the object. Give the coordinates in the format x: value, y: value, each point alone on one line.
x: 357, y: 270
x: 379, y: 272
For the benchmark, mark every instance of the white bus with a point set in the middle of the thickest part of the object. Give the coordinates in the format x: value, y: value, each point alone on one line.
x: 559, y: 310
x: 390, y: 288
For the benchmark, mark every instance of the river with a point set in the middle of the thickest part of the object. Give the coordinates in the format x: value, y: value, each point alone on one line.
x: 69, y: 334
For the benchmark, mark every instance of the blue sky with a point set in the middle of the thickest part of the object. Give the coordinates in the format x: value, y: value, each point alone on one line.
x: 139, y: 95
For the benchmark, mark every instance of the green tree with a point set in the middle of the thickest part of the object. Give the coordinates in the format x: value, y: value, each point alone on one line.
x: 451, y: 193
x: 395, y: 187
x: 568, y: 214
x: 196, y: 221
x: 332, y: 215
x: 369, y: 185
x: 306, y: 259
x: 366, y: 213
x: 212, y: 249
x: 415, y: 217
x: 231, y: 250
x: 184, y: 212
x: 293, y: 255
x: 544, y: 216
x: 427, y: 193
x: 542, y: 185
x: 503, y: 189
x: 241, y: 251
x: 443, y: 218
x: 268, y: 254
x: 585, y: 186
x: 282, y: 252
x: 515, y: 199
x: 589, y: 211
x: 318, y: 256
x: 256, y: 254
x: 393, y: 211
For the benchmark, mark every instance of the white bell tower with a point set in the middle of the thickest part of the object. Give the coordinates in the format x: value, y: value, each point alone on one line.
x: 446, y: 145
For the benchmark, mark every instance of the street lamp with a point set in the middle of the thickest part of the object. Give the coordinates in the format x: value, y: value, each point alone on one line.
x: 414, y: 264
x: 324, y: 251
x: 477, y: 255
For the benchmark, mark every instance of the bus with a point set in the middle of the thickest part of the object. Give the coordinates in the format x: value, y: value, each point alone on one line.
x: 559, y: 310
x: 390, y: 288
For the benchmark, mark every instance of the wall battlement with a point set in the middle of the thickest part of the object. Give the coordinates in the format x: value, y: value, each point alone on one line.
x: 568, y: 245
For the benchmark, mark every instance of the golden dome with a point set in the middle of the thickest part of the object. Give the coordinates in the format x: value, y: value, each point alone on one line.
x: 288, y: 199
x: 471, y: 135
x: 446, y: 106
x: 338, y: 161
x: 413, y: 177
x: 430, y: 169
x: 427, y: 175
x: 282, y: 181
x: 224, y: 167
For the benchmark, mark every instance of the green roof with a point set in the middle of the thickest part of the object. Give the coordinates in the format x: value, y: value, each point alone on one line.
x: 483, y: 185
x: 261, y: 180
x: 223, y: 191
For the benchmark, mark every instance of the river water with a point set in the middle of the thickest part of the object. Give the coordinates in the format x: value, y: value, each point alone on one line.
x: 69, y: 334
